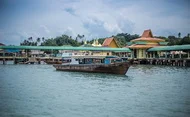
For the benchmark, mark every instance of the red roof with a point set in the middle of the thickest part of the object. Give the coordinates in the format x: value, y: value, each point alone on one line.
x: 107, y: 41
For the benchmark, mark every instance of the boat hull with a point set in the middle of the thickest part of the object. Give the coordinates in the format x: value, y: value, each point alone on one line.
x: 116, y: 68
x: 53, y: 62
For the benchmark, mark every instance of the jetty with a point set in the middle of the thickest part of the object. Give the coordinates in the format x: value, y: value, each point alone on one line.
x: 146, y: 49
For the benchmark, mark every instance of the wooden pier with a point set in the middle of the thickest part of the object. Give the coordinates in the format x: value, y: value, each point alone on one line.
x: 151, y: 61
x: 163, y: 61
x: 28, y: 60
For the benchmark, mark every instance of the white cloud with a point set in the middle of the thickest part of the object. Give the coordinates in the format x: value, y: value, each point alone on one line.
x: 68, y: 31
x: 45, y: 28
x: 96, y: 18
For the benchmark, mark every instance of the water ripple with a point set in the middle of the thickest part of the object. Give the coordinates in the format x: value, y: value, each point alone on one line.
x: 40, y: 90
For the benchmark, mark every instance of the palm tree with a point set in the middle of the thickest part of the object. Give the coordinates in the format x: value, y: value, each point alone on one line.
x: 38, y: 40
x: 179, y: 35
x: 30, y: 39
x: 79, y: 36
x: 25, y: 42
x: 188, y: 35
x: 43, y: 39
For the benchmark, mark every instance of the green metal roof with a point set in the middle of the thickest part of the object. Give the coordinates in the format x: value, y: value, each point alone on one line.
x: 121, y: 51
x: 137, y: 42
x: 65, y: 48
x: 170, y: 48
x: 86, y: 45
x: 163, y: 43
x: 129, y: 43
x: 140, y: 42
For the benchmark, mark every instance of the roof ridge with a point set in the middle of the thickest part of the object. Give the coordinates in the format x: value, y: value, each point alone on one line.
x: 107, y: 41
x: 147, y: 33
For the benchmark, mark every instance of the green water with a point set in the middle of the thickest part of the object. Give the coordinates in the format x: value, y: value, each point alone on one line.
x: 145, y: 91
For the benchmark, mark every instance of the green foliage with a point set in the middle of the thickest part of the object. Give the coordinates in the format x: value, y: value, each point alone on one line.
x: 178, y: 41
x: 29, y: 42
x: 121, y: 38
x: 185, y: 40
x: 100, y: 40
x: 173, y: 40
x: 49, y: 42
x: 60, y: 41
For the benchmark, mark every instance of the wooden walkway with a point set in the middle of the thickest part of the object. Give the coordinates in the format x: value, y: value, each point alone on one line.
x: 27, y: 60
x: 163, y: 61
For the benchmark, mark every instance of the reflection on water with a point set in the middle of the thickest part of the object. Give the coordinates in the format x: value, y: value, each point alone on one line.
x: 40, y: 90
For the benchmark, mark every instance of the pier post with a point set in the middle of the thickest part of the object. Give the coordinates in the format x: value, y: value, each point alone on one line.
x: 180, y: 55
x: 150, y: 55
x: 159, y: 54
x: 14, y: 60
x: 172, y: 55
x: 165, y: 54
x: 4, y: 60
x: 153, y: 54
x: 184, y: 63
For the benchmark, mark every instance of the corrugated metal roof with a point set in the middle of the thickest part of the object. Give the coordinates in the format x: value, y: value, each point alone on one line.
x: 120, y: 51
x: 129, y: 43
x: 163, y: 43
x: 140, y: 42
x: 170, y: 48
x: 137, y: 42
x: 65, y: 48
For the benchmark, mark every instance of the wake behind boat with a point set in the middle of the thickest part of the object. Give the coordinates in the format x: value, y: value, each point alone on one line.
x: 108, y: 64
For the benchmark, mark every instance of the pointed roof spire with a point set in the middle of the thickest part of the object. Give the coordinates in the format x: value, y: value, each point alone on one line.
x: 147, y: 34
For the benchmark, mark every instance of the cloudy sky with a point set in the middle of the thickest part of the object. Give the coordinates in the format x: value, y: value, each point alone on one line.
x: 20, y: 19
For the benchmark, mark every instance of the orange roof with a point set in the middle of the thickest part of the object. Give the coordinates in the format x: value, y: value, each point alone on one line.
x: 107, y: 41
x: 142, y: 46
x: 148, y: 36
x: 148, y: 39
x: 147, y: 33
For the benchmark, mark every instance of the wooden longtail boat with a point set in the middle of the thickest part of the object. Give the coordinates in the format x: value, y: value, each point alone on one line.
x: 109, y: 66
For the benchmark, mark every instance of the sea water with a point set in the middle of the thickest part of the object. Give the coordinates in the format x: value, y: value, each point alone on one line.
x: 145, y: 91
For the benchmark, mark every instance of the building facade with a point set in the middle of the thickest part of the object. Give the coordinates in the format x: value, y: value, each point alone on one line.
x: 140, y: 45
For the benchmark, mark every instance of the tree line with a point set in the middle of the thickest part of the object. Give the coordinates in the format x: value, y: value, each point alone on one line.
x: 121, y: 38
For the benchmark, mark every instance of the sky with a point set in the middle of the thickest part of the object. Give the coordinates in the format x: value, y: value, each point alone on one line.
x: 21, y: 19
